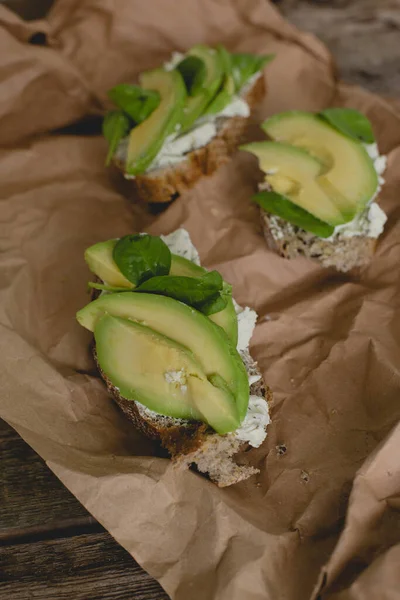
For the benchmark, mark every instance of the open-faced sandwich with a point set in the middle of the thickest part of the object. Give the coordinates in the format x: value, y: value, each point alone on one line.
x: 323, y: 173
x: 173, y: 348
x: 183, y: 120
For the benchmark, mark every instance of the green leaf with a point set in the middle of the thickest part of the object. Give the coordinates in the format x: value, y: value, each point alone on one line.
x: 116, y: 126
x: 135, y: 101
x: 193, y: 71
x: 213, y: 305
x: 202, y: 293
x: 283, y: 207
x: 107, y: 288
x: 350, y: 122
x: 140, y: 257
x: 246, y: 65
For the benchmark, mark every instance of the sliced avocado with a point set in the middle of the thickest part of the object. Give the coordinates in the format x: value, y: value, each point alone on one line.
x: 161, y: 374
x: 185, y: 267
x: 99, y: 258
x: 195, y: 105
x: 225, y: 318
x: 146, y: 139
x: 349, y: 177
x: 209, y: 343
x: 293, y: 173
x: 227, y: 90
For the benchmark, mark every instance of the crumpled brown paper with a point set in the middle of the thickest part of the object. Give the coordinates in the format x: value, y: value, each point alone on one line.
x: 323, y: 516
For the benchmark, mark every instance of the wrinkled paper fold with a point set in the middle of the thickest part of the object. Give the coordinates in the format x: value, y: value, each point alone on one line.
x: 327, y: 498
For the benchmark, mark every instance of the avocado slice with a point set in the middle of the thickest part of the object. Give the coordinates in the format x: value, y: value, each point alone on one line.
x: 209, y: 343
x: 195, y: 105
x: 226, y: 318
x: 348, y: 177
x: 227, y: 90
x: 294, y: 173
x: 146, y: 139
x: 99, y: 258
x: 161, y: 374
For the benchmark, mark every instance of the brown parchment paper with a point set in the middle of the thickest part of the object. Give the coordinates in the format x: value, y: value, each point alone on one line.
x: 322, y: 518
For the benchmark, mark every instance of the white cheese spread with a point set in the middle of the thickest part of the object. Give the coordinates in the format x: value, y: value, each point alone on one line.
x: 175, y: 147
x: 177, y: 378
x: 174, y: 60
x: 252, y: 429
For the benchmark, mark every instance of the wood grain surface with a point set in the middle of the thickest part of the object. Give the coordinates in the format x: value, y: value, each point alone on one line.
x: 82, y: 567
x: 51, y: 547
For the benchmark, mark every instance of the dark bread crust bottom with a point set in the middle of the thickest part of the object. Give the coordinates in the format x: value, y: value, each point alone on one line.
x: 344, y: 253
x: 164, y: 185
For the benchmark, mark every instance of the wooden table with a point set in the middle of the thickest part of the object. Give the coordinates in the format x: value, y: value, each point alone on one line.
x: 51, y: 548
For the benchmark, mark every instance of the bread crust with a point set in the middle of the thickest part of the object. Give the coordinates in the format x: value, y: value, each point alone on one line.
x: 345, y: 254
x: 165, y: 185
x: 191, y: 442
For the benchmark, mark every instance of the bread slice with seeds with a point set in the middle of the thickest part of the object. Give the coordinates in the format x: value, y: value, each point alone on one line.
x: 166, y: 184
x: 343, y: 253
x: 191, y: 443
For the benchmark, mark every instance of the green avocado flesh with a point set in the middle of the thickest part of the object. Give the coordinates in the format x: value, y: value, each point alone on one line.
x: 209, y: 343
x: 348, y: 175
x: 293, y: 173
x: 226, y: 318
x: 146, y: 139
x: 99, y: 258
x: 227, y: 90
x: 195, y: 105
x: 161, y: 374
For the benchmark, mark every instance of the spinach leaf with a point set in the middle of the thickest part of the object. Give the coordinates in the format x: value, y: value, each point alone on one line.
x: 283, y: 207
x: 213, y: 305
x: 135, y: 101
x: 246, y: 65
x: 202, y: 293
x: 193, y: 71
x: 116, y: 125
x: 140, y: 257
x: 350, y: 122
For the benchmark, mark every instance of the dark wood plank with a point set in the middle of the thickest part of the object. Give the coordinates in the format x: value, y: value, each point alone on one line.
x: 31, y: 496
x: 85, y: 567
x: 363, y: 36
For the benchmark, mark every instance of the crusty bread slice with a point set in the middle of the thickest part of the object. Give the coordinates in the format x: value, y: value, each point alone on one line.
x: 191, y: 443
x: 343, y: 253
x: 164, y: 185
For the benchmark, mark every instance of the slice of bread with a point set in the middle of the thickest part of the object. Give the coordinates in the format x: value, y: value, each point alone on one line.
x: 343, y: 253
x: 191, y: 443
x: 167, y: 184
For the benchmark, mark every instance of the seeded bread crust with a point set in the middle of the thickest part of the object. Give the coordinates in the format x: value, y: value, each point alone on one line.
x: 343, y: 253
x: 164, y: 185
x: 191, y: 443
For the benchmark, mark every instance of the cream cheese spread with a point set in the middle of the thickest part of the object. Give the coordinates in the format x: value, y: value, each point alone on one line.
x: 174, y: 148
x: 252, y: 430
x: 253, y: 427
